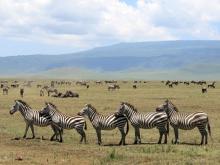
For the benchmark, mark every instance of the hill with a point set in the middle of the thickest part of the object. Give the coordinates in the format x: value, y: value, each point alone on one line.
x: 193, y: 58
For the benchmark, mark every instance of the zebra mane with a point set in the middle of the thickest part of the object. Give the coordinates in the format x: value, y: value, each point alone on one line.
x: 52, y: 105
x: 131, y: 106
x: 174, y: 107
x: 24, y: 103
x: 92, y: 107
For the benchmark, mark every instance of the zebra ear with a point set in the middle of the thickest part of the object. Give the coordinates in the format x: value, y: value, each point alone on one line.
x: 122, y: 103
x: 46, y: 103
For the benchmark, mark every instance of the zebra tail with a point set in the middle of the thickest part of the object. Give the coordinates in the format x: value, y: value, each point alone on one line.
x: 85, y: 127
x: 168, y: 127
x: 209, y: 129
x: 127, y: 127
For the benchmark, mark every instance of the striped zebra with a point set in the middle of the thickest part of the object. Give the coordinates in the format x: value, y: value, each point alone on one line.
x: 64, y: 121
x: 145, y: 120
x: 109, y: 122
x: 32, y: 117
x: 186, y: 121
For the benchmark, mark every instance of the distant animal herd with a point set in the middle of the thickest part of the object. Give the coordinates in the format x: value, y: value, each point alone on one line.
x: 164, y: 115
x: 112, y: 85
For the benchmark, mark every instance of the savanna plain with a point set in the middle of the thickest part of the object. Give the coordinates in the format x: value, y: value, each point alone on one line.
x: 145, y: 98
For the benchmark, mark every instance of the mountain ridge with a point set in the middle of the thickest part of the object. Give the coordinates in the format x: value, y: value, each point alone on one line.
x: 175, y: 56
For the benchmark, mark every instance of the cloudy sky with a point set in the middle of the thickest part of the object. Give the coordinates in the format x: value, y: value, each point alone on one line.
x: 58, y: 26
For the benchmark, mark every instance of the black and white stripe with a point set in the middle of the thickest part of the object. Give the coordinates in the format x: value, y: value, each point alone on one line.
x: 64, y: 121
x: 145, y: 120
x: 186, y: 121
x: 32, y: 117
x: 109, y: 122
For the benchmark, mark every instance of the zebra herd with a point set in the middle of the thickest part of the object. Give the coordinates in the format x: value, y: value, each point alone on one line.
x: 165, y: 114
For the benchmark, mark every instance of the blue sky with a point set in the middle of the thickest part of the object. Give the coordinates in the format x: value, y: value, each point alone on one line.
x: 57, y: 26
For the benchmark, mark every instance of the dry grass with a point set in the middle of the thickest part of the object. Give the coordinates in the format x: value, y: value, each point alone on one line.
x: 146, y: 97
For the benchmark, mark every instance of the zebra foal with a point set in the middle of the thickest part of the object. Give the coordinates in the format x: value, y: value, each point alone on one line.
x: 145, y: 120
x: 64, y: 121
x: 110, y: 122
x: 186, y: 121
x: 32, y: 117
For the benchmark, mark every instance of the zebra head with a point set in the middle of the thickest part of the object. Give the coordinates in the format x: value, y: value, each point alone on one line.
x: 15, y: 107
x: 85, y: 110
x: 47, y: 110
x: 120, y: 110
x: 167, y: 107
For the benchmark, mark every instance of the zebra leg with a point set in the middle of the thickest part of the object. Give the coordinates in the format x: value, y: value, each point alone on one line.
x: 122, y: 141
x: 82, y: 133
x: 161, y: 135
x: 165, y: 137
x: 26, y: 129
x: 203, y: 133
x: 176, y: 135
x: 98, y: 132
x: 162, y: 131
x: 55, y: 130
x: 137, y: 136
x: 60, y: 130
x: 32, y: 130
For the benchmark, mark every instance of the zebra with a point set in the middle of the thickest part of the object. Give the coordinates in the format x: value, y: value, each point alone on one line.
x: 186, y: 121
x: 32, y: 117
x: 145, y: 120
x: 109, y: 122
x: 5, y: 90
x: 63, y: 121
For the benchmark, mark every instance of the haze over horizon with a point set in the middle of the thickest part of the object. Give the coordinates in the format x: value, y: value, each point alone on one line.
x: 56, y: 27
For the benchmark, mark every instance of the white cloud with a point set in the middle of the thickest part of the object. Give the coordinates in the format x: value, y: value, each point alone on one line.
x: 84, y: 24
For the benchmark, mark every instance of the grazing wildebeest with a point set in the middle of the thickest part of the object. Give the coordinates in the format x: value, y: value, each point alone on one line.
x: 22, y: 92
x: 211, y: 85
x: 49, y: 91
x: 39, y: 85
x: 113, y: 87
x: 204, y: 90
x: 98, y: 82
x: 170, y: 85
x: 87, y: 86
x: 134, y: 86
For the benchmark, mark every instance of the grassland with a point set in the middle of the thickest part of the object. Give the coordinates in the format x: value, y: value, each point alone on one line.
x: 146, y: 97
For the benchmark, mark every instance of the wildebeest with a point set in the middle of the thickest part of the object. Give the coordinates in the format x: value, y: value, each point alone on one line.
x: 170, y: 85
x: 67, y: 94
x: 113, y: 87
x: 134, y: 86
x: 211, y: 85
x: 22, y: 92
x: 98, y: 82
x: 50, y: 90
